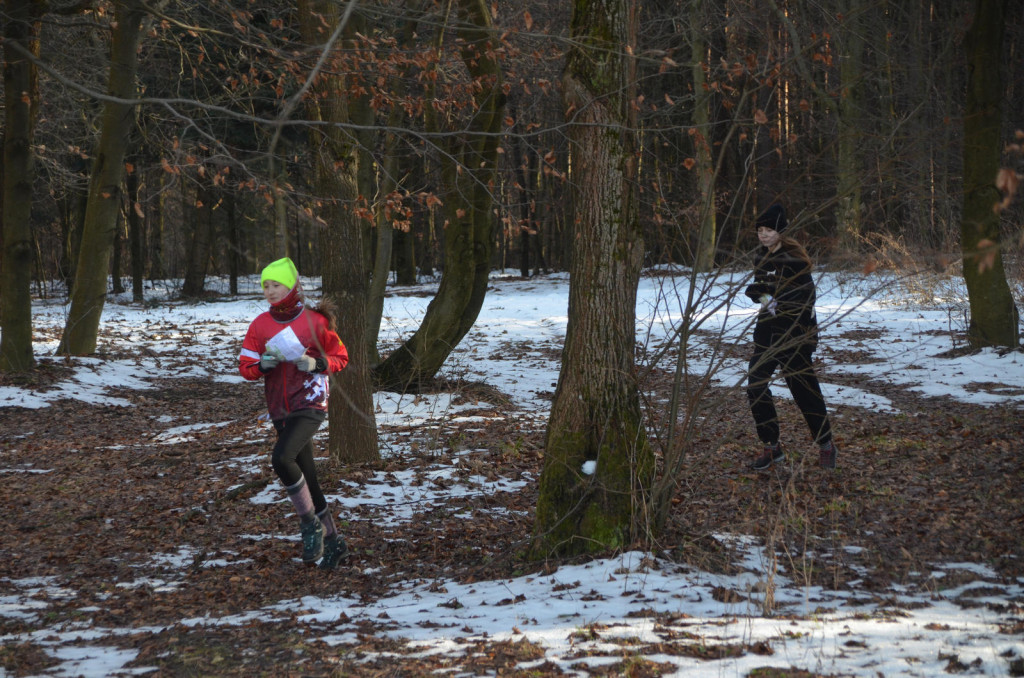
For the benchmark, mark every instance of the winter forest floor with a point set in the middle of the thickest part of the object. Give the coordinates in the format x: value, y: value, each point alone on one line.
x: 941, y: 482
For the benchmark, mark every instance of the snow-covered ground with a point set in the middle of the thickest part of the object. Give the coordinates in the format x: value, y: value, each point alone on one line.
x: 903, y: 329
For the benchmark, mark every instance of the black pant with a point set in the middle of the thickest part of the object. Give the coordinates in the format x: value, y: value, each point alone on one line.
x: 293, y: 453
x: 798, y: 371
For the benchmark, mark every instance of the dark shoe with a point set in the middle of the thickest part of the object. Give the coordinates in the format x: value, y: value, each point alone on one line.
x: 772, y: 454
x: 312, y: 541
x: 827, y: 455
x: 335, y: 551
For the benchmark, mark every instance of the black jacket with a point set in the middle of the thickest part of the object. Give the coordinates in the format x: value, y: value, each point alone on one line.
x: 785, y: 276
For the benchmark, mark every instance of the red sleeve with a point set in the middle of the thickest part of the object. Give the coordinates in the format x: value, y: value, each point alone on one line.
x: 333, y: 350
x: 252, y: 348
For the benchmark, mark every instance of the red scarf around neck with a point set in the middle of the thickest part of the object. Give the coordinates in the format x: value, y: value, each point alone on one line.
x: 290, y: 307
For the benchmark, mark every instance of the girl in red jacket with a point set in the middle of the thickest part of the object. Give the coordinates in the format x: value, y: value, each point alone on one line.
x: 294, y: 349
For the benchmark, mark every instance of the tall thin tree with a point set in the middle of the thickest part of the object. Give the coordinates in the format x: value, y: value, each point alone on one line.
x: 104, y: 203
x: 21, y: 104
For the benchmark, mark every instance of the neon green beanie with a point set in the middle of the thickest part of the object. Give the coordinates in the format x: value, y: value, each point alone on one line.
x: 282, y: 271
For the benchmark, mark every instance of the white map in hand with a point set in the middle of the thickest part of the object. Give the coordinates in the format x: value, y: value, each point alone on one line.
x: 287, y: 345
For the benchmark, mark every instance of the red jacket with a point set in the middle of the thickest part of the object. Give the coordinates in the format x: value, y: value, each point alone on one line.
x: 287, y: 389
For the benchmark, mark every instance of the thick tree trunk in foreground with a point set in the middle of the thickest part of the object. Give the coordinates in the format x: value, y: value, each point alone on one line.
x: 102, y: 210
x: 598, y: 464
x: 21, y: 103
x: 993, y: 313
x: 352, y: 433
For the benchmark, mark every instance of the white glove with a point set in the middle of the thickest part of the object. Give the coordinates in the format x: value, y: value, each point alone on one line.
x: 769, y: 303
x: 304, y: 363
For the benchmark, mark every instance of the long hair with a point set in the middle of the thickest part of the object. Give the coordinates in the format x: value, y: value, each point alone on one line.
x: 793, y: 247
x: 328, y: 309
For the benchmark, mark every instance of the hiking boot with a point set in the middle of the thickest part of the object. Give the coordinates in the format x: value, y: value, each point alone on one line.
x: 827, y: 455
x: 772, y: 454
x: 312, y: 541
x: 335, y: 551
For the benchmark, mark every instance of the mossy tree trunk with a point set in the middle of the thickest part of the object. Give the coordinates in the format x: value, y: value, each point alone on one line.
x: 352, y: 433
x: 21, y: 105
x: 993, y: 313
x: 468, y: 168
x: 598, y: 464
x: 105, y: 195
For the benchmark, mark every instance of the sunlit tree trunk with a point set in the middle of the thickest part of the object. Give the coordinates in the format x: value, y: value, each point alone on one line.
x: 21, y: 104
x: 993, y: 313
x: 468, y: 171
x: 598, y: 464
x: 102, y: 209
x: 352, y: 424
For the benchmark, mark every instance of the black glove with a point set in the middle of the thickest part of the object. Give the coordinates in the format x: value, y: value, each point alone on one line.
x: 268, y: 361
x: 307, y: 363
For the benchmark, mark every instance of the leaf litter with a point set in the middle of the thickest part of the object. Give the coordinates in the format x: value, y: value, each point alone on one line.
x: 145, y: 534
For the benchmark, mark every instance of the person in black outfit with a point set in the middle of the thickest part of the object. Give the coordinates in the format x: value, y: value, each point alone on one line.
x: 785, y: 337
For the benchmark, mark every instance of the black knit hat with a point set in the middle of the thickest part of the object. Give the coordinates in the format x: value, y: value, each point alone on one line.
x: 774, y: 218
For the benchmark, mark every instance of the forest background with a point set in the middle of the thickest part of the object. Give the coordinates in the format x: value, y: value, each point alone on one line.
x: 174, y: 140
x: 849, y: 112
x: 378, y: 142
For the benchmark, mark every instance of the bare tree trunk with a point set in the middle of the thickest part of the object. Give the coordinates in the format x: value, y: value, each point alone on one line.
x: 994, y: 319
x: 234, y: 243
x: 352, y: 433
x: 468, y: 170
x: 388, y: 184
x: 381, y: 259
x: 136, y: 232
x: 707, y: 234
x: 522, y: 161
x: 405, y: 256
x: 102, y: 211
x: 116, y: 283
x: 851, y: 121
x: 201, y: 245
x: 598, y: 464
x: 156, y: 238
x: 72, y: 215
x: 21, y: 104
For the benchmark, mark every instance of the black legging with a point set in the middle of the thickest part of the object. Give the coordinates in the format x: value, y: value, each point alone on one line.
x: 798, y: 371
x: 293, y: 453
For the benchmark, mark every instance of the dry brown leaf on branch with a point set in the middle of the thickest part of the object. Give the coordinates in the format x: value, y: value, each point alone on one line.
x: 1007, y: 182
x: 987, y: 251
